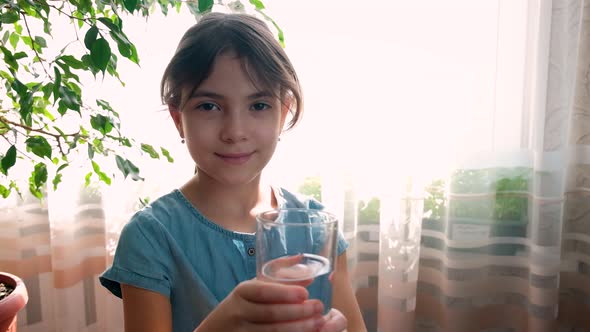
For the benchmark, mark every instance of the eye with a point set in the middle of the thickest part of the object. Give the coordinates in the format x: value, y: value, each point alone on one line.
x: 207, y: 107
x: 260, y: 106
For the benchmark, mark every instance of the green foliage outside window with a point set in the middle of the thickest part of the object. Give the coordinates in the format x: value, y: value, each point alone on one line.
x: 500, y: 194
x: 311, y: 186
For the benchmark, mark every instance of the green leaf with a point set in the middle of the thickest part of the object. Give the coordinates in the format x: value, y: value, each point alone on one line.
x: 67, y: 72
x: 122, y: 165
x: 104, y: 178
x: 95, y: 167
x: 8, y: 160
x: 4, y: 128
x: 72, y: 62
x: 9, y: 58
x: 167, y: 155
x: 101, y: 175
x: 69, y: 99
x: 109, y: 23
x: 150, y: 150
x: 9, y: 17
x: 205, y: 5
x: 60, y: 168
x: 47, y: 26
x: 164, y: 6
x: 20, y: 88
x: 40, y: 174
x: 98, y: 146
x: 56, y: 181
x: 101, y: 123
x: 90, y: 152
x: 41, y: 41
x: 87, y: 61
x: 125, y: 47
x: 39, y: 146
x: 106, y: 106
x: 4, y: 192
x: 14, y: 39
x: 134, y: 171
x: 47, y: 90
x: 90, y: 37
x: 75, y: 88
x: 20, y: 55
x: 85, y: 6
x: 258, y: 4
x: 27, y: 40
x: 57, y: 83
x: 100, y: 54
x: 38, y: 179
x: 87, y: 179
x: 280, y: 33
x: 125, y: 141
x: 127, y: 168
x: 130, y: 5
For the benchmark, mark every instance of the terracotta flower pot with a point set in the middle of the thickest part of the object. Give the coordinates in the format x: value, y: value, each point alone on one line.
x: 13, y: 303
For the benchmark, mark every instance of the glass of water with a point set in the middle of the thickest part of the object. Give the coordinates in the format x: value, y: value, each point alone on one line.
x: 298, y: 245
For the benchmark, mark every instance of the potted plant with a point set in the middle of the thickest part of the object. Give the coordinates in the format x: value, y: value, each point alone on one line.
x: 13, y: 297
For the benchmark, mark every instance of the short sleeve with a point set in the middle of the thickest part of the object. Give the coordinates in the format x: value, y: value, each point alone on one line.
x: 141, y: 258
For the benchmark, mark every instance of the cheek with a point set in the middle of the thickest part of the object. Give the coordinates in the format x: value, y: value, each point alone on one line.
x: 269, y: 133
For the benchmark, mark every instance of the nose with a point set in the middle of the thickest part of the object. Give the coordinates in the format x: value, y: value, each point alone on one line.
x: 234, y: 128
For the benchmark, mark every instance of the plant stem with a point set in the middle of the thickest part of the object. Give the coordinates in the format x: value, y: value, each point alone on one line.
x: 41, y: 131
x: 33, y: 45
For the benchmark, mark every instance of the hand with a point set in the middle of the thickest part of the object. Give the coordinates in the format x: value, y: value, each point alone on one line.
x: 257, y: 305
x: 335, y: 322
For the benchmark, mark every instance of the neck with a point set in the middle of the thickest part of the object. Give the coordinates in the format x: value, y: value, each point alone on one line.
x: 231, y: 206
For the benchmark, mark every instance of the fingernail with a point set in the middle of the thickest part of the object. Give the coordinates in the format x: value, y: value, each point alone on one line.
x: 318, y: 307
x: 302, y: 295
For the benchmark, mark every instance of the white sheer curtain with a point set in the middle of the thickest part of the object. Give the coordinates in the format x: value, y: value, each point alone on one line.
x: 494, y: 236
x: 450, y: 137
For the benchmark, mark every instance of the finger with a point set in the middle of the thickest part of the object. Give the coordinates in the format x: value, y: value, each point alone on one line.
x: 312, y: 324
x: 272, y: 313
x: 335, y: 322
x: 259, y: 291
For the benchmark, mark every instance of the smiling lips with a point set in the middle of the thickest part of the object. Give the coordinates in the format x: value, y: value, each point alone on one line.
x: 235, y: 158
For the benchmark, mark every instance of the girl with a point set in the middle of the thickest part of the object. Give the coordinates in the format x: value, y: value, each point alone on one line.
x: 187, y: 262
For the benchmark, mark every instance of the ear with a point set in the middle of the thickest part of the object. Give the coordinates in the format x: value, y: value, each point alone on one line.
x: 177, y: 118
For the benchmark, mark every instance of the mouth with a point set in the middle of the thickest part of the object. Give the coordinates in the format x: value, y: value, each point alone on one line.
x: 235, y: 158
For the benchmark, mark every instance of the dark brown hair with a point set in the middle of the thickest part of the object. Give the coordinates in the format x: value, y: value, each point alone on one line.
x: 251, y: 40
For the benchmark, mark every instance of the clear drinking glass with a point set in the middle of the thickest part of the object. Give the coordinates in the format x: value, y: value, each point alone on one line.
x: 294, y: 245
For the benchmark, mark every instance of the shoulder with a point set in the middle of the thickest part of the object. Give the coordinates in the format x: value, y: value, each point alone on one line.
x: 162, y: 211
x: 157, y: 223
x: 289, y: 199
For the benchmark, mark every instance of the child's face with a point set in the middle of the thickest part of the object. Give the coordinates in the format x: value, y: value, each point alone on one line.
x: 230, y: 127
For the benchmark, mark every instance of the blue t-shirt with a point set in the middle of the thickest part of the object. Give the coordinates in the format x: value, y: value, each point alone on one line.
x: 169, y: 247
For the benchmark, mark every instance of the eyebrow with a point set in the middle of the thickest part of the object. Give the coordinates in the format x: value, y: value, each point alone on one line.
x: 210, y: 94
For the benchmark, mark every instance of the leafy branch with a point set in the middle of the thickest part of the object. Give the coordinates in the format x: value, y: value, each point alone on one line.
x: 38, y: 92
